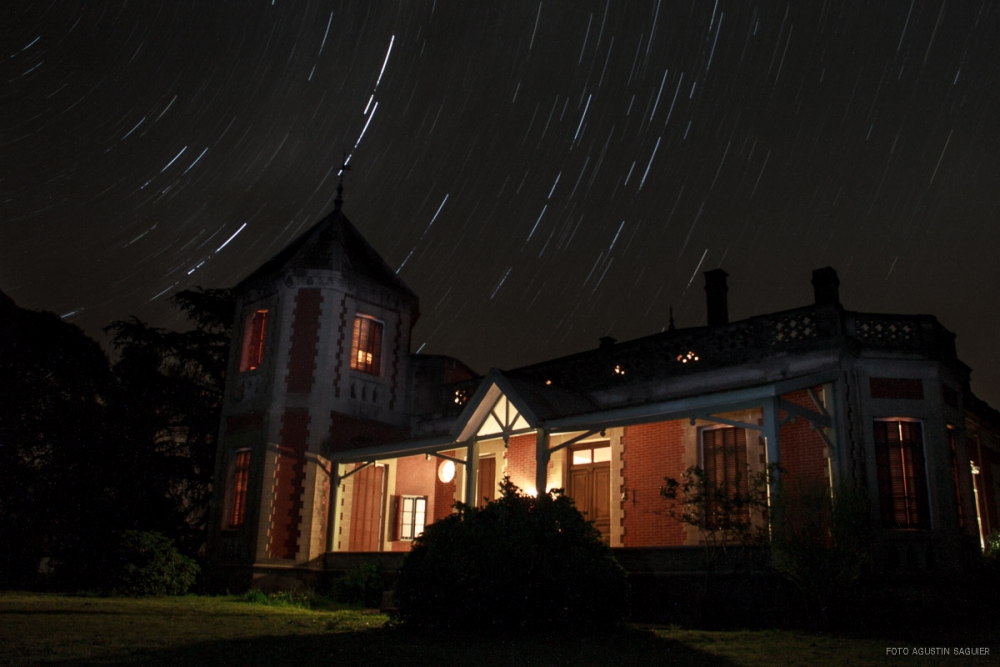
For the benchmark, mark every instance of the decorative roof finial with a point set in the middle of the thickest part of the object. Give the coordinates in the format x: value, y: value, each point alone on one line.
x: 671, y: 327
x: 339, y: 200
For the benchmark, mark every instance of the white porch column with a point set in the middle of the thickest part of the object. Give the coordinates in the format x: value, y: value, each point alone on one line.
x: 541, y: 460
x: 772, y: 425
x: 331, y: 518
x: 471, y: 471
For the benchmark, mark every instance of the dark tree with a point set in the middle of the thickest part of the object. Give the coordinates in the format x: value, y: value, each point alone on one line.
x: 166, y: 413
x: 88, y: 451
x: 54, y: 439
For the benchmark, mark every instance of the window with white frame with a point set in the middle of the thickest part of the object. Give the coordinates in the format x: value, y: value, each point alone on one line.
x: 413, y: 516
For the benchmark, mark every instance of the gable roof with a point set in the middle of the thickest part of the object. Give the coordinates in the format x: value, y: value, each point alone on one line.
x: 332, y: 244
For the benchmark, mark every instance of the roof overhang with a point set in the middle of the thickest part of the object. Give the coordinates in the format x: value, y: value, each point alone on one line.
x: 495, y: 386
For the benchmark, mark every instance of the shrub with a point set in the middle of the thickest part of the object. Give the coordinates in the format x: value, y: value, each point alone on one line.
x: 361, y: 585
x: 517, y: 563
x: 146, y: 563
x: 725, y: 514
x: 991, y: 553
x: 821, y: 544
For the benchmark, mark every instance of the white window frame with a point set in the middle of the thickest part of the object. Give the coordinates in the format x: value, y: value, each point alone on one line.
x: 412, y: 517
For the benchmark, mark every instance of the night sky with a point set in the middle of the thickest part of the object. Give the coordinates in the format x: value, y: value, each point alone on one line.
x: 543, y: 173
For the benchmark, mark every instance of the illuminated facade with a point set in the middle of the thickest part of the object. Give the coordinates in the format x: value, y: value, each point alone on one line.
x: 336, y: 439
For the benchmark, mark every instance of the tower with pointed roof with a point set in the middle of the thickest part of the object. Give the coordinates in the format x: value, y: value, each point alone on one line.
x: 319, y: 362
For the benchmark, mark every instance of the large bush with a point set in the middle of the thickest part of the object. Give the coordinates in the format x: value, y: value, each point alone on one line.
x: 146, y: 563
x: 518, y: 563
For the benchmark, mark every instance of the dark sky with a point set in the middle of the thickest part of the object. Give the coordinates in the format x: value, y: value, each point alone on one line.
x: 545, y: 173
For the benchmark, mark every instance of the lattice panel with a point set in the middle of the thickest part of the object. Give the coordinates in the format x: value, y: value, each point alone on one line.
x: 884, y: 332
x: 793, y: 329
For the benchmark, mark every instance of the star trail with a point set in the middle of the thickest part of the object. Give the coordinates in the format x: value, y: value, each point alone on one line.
x: 541, y: 173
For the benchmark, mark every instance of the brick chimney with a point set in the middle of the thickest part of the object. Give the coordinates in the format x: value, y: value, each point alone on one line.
x: 715, y: 296
x: 826, y: 287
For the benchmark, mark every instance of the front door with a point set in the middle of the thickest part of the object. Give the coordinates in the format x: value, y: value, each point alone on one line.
x: 590, y: 485
x: 367, y: 509
x: 487, y: 483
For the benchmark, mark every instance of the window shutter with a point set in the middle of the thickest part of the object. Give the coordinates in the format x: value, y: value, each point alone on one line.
x: 397, y: 517
x: 920, y: 503
x: 238, y: 489
x: 375, y: 347
x: 884, y: 475
x: 257, y: 338
x: 724, y: 460
x: 902, y: 474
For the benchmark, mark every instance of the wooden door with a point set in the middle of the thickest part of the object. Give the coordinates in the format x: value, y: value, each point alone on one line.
x: 590, y: 486
x: 487, y: 481
x: 367, y: 509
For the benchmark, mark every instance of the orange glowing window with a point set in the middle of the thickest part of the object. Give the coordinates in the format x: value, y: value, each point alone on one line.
x: 254, y: 333
x: 366, y: 345
x: 902, y: 477
x: 238, y: 489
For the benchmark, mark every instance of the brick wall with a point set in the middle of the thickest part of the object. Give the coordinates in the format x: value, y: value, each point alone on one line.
x: 444, y: 493
x: 305, y: 337
x: 415, y: 476
x: 520, y: 461
x: 651, y: 452
x: 286, y: 503
x: 896, y: 388
x: 247, y: 421
x: 801, y: 448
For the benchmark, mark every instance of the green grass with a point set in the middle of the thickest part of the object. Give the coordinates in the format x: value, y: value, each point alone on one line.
x: 52, y: 629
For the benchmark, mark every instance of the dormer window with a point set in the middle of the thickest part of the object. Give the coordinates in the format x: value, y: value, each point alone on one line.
x: 366, y: 345
x: 254, y: 332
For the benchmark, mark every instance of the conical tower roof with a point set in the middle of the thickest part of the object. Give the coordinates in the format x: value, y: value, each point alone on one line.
x: 332, y: 244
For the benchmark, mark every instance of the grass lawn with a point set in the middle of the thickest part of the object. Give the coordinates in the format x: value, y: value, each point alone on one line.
x: 52, y: 629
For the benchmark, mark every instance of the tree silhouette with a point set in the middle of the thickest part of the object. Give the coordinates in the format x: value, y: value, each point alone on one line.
x: 166, y: 412
x: 54, y: 438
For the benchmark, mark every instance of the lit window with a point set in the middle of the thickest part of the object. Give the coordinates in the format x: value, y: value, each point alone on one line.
x: 902, y: 478
x: 413, y: 517
x: 366, y: 345
x: 254, y: 332
x: 600, y: 454
x: 724, y: 460
x: 238, y: 489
